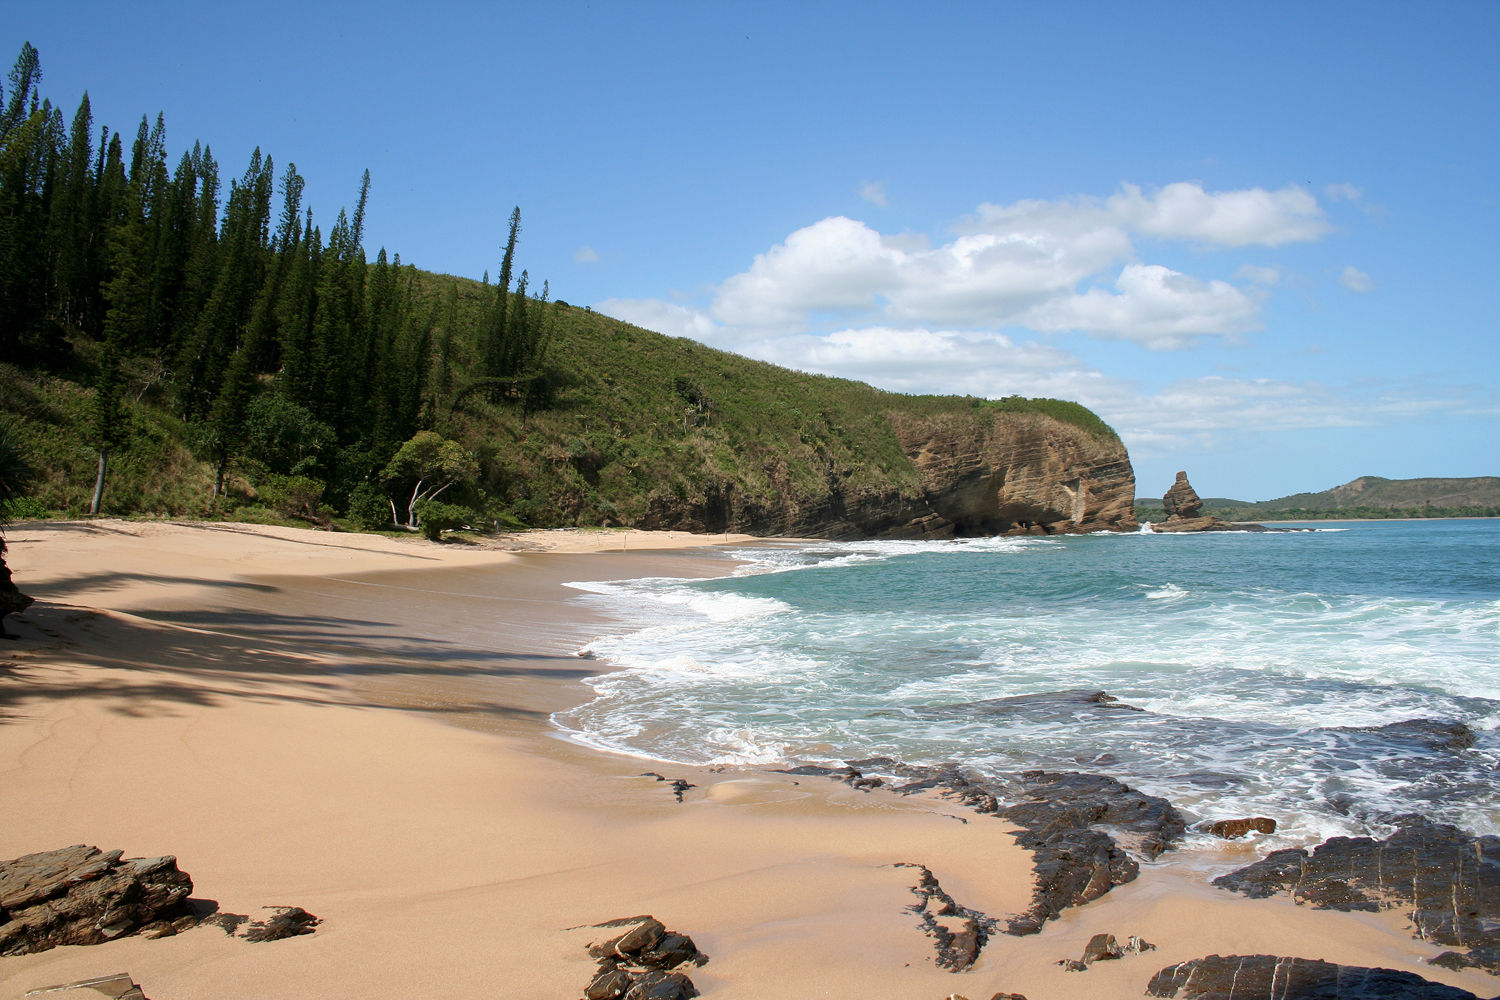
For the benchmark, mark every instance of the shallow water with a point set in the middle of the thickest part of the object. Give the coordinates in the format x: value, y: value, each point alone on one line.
x: 1246, y: 651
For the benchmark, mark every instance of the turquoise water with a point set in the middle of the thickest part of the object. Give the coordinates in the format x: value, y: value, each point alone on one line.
x: 1247, y: 652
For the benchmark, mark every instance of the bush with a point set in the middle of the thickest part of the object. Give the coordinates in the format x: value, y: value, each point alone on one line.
x: 293, y: 496
x: 369, y: 507
x: 23, y: 509
x: 435, y: 517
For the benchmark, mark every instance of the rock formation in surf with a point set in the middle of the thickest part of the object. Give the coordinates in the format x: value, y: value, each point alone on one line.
x: 82, y: 895
x: 1184, y: 511
x: 1448, y: 881
x: 1055, y: 814
x: 1269, y: 977
x: 989, y: 472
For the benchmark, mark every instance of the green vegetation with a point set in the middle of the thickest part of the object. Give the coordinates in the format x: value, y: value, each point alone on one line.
x: 1365, y: 498
x: 165, y: 358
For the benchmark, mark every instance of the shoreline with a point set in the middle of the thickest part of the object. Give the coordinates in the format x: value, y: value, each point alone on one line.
x: 312, y: 737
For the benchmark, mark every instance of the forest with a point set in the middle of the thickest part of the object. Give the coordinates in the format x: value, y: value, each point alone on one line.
x: 285, y: 355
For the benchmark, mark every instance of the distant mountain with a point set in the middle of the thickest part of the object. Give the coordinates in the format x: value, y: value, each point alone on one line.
x: 1207, y: 502
x: 1374, y: 491
x: 1365, y: 497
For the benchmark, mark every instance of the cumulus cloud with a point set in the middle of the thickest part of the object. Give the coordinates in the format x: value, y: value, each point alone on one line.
x: 585, y: 255
x: 1181, y: 211
x: 664, y: 317
x: 1185, y: 413
x: 1157, y: 307
x: 873, y: 192
x: 1356, y: 280
x: 1259, y: 275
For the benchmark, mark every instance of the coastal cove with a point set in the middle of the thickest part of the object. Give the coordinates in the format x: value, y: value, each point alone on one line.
x: 363, y: 727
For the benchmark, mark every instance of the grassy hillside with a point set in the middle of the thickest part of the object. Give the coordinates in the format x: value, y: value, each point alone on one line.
x: 634, y: 415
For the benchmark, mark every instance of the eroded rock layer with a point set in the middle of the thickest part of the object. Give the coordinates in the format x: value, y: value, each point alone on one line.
x: 985, y: 473
x: 1449, y: 879
x: 82, y: 895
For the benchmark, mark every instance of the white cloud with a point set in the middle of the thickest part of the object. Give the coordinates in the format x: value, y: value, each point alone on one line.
x: 1184, y: 211
x: 1356, y: 280
x: 663, y: 317
x: 585, y: 255
x: 1156, y: 307
x: 1180, y: 211
x: 1259, y: 275
x: 1022, y: 264
x: 873, y: 192
x: 1343, y: 192
x: 1204, y: 412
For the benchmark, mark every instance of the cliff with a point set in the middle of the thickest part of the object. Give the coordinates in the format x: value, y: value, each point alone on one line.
x: 984, y: 472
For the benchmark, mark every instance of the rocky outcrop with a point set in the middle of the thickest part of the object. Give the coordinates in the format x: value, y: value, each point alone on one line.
x: 1234, y: 829
x: 1448, y: 878
x: 639, y: 960
x: 980, y: 473
x: 958, y: 932
x: 1268, y: 977
x: 81, y: 895
x: 1181, y: 500
x: 1080, y: 828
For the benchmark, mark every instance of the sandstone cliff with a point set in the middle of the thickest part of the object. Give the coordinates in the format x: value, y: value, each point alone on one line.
x: 973, y: 474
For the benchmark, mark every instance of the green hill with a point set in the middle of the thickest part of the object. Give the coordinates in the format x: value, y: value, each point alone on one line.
x: 635, y: 418
x: 1368, y: 497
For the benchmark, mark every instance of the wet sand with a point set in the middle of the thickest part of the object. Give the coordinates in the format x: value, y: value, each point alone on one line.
x: 358, y: 726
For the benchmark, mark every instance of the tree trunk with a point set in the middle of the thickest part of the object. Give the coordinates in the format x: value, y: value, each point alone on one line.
x: 219, y: 478
x: 99, y: 481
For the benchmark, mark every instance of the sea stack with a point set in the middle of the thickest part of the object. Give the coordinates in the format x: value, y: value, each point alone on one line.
x: 1183, y: 508
x: 1181, y: 502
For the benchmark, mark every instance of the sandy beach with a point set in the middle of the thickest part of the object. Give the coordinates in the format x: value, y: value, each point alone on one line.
x: 358, y: 725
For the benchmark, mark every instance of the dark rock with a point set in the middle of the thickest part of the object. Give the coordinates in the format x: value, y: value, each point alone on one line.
x: 1048, y: 706
x: 81, y: 895
x: 1073, y: 965
x: 288, y: 921
x: 1054, y: 811
x: 960, y: 933
x: 1430, y: 734
x: 1181, y: 500
x: 611, y: 982
x: 656, y: 985
x: 1234, y: 829
x: 1071, y: 867
x: 636, y: 964
x: 1267, y: 977
x: 118, y: 987
x: 1101, y: 947
x: 679, y: 785
x: 1448, y: 878
x: 226, y: 922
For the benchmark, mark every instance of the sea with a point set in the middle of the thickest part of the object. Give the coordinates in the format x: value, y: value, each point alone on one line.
x: 1253, y: 672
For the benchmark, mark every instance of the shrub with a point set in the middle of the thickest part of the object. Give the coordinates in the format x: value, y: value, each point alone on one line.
x: 435, y: 517
x: 293, y: 496
x: 369, y: 507
x: 23, y: 509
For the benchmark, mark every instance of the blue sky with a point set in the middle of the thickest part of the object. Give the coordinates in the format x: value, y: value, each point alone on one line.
x: 1259, y: 239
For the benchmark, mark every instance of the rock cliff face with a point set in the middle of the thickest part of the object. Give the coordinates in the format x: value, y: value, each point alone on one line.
x: 986, y: 473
